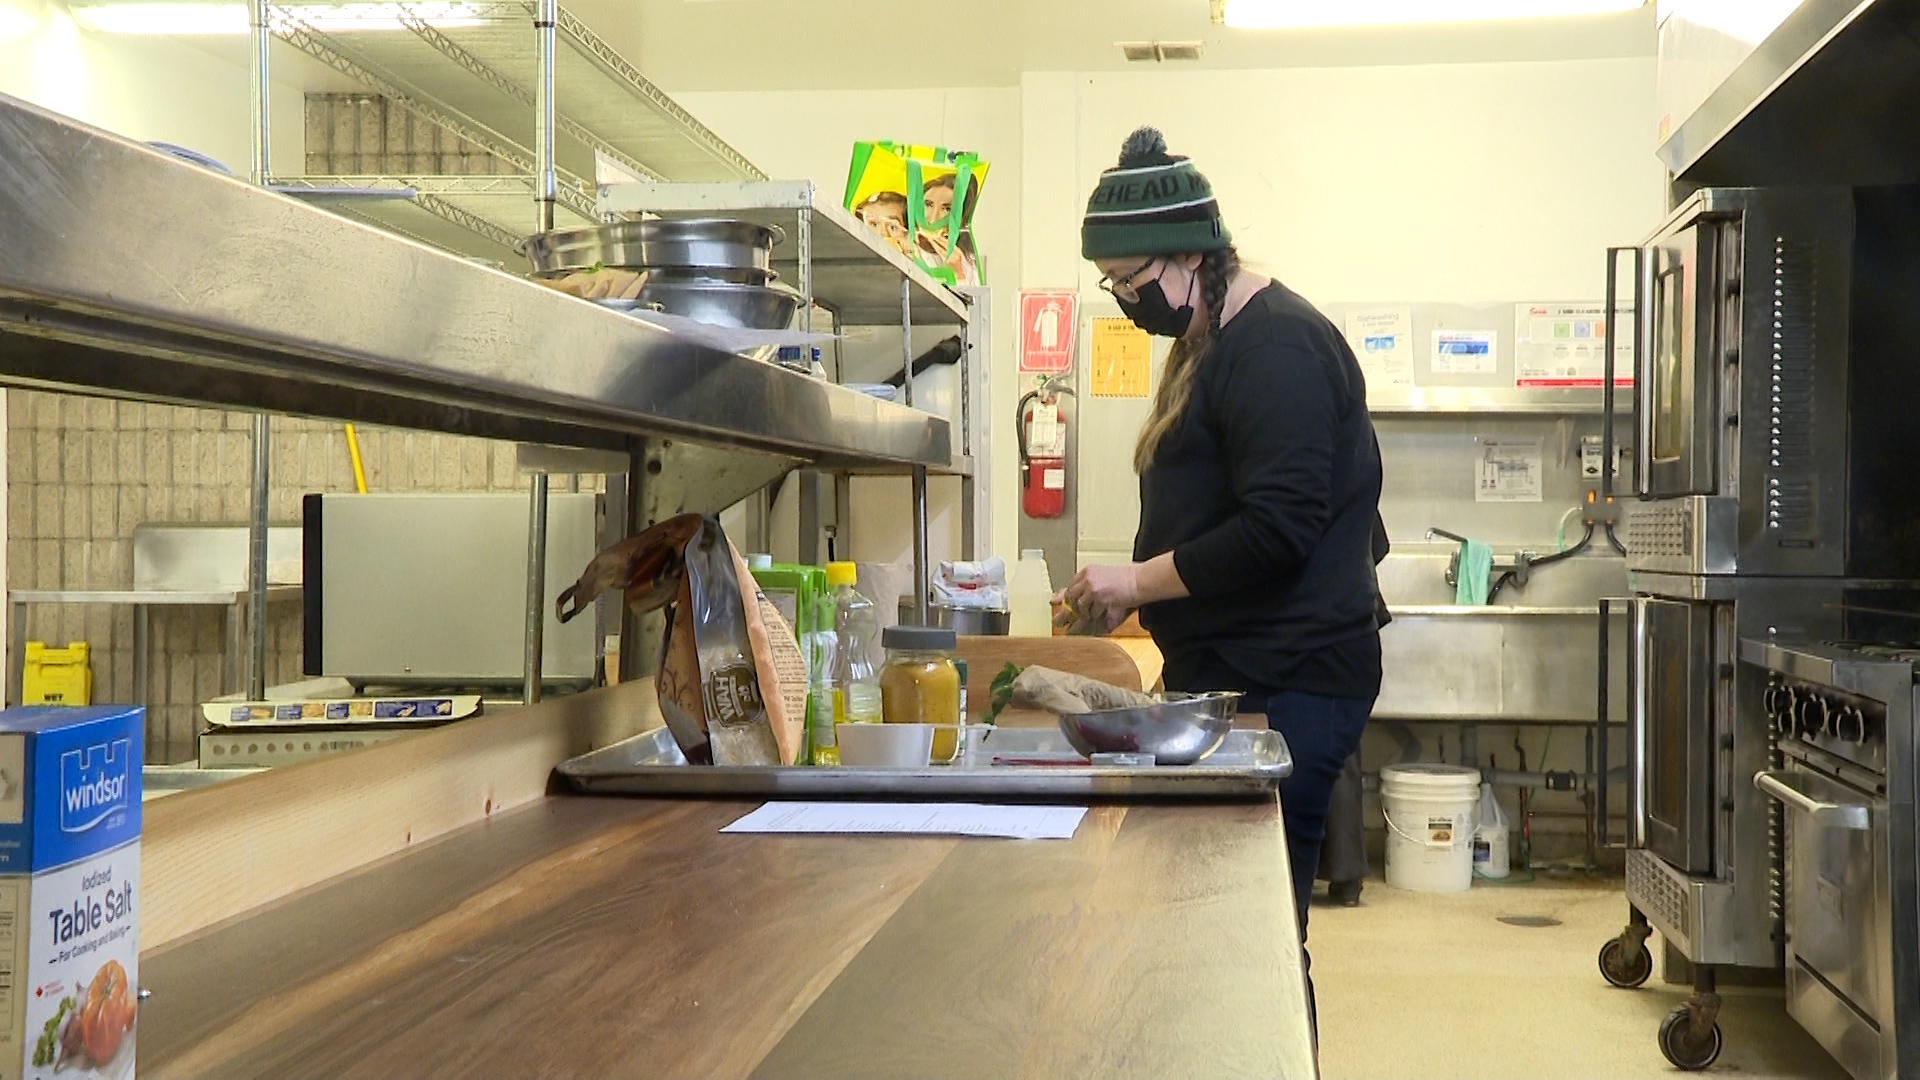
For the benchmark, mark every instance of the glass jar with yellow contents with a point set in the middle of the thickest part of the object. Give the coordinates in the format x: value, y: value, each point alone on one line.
x: 921, y: 685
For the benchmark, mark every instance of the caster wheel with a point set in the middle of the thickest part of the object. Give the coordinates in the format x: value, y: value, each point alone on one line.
x: 1627, y: 969
x: 1677, y: 1041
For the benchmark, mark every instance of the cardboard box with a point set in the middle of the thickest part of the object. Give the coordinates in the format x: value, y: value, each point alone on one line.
x: 69, y: 890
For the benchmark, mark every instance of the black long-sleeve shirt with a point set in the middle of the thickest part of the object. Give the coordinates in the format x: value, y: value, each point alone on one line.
x: 1267, y: 493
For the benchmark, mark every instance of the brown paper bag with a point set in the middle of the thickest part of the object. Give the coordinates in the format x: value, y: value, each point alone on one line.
x: 731, y: 681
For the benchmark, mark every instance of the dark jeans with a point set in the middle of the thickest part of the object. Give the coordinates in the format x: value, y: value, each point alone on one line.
x: 1321, y: 732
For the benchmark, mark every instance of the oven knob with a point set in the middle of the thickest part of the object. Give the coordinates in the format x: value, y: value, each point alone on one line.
x: 1812, y: 717
x: 1850, y: 726
x: 1779, y: 706
x: 1789, y: 707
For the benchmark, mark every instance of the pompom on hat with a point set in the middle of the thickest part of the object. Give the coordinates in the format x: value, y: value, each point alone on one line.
x: 1151, y: 203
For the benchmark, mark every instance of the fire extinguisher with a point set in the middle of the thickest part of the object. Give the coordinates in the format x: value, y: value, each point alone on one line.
x: 1043, y: 450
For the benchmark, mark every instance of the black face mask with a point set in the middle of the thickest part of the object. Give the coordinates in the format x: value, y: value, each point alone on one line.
x: 1155, y: 315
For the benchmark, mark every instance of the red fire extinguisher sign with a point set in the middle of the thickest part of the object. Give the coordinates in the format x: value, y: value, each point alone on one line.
x: 1047, y: 320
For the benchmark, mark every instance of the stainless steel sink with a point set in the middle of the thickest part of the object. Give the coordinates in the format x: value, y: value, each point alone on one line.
x: 158, y: 781
x: 1533, y: 655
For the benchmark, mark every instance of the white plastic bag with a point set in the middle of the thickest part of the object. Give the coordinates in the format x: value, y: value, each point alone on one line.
x: 1490, y: 856
x: 980, y: 584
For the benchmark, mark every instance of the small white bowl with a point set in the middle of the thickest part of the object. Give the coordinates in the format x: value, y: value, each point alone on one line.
x: 884, y: 746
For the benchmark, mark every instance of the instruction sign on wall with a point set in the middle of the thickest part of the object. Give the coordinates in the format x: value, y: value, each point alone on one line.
x: 1121, y: 359
x: 1382, y: 341
x: 1564, y: 347
x: 1047, y: 320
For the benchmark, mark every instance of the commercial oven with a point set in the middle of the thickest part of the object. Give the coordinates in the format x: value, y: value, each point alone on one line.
x: 1844, y: 777
x: 1774, y: 384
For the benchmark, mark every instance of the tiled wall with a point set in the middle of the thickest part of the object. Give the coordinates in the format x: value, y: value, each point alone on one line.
x: 365, y: 135
x: 81, y: 473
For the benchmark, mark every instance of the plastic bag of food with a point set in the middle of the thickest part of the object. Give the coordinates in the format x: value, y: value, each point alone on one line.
x: 1066, y: 694
x: 732, y: 681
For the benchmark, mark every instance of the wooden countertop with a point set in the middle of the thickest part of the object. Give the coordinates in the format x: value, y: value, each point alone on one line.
x: 624, y: 938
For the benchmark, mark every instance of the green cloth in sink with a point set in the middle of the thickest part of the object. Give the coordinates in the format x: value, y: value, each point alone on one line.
x: 1471, y: 579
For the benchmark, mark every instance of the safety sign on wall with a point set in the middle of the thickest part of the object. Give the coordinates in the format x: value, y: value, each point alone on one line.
x: 1121, y: 358
x: 1047, y: 320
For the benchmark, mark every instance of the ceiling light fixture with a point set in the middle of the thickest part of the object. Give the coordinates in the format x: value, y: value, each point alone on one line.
x: 1305, y: 13
x: 14, y: 23
x: 183, y: 19
x: 186, y: 19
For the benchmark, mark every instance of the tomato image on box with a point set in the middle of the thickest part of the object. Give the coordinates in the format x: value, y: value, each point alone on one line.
x: 69, y: 890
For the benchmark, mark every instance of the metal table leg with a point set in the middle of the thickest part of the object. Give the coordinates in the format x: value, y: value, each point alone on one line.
x: 16, y: 651
x: 143, y: 637
x: 232, y: 678
x: 536, y: 586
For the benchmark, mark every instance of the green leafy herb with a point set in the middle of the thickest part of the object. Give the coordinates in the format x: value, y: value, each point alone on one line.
x: 1000, y: 693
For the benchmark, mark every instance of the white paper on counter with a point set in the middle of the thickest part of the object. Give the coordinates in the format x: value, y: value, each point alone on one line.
x: 917, y: 819
x: 1382, y: 340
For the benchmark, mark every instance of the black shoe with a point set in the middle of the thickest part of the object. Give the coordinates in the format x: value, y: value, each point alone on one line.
x: 1344, y: 893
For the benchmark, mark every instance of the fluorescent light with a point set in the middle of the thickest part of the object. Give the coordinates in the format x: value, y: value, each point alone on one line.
x: 133, y: 17
x: 14, y: 23
x: 164, y: 18
x: 1301, y: 13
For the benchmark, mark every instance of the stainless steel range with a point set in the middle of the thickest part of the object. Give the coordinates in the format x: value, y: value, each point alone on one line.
x: 1845, y: 773
x: 1778, y: 489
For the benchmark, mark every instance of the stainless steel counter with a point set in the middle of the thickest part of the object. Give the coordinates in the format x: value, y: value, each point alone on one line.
x: 127, y: 272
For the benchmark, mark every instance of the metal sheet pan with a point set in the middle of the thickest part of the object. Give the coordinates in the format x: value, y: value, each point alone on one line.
x: 1249, y: 764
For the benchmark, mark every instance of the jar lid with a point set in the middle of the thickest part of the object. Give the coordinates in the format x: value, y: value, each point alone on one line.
x: 842, y: 573
x: 918, y: 638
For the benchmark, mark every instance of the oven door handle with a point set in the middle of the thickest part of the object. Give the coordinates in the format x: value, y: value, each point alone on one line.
x: 1779, y: 785
x: 1637, y: 735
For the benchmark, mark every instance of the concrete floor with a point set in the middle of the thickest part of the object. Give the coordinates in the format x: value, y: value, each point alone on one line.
x: 1419, y: 985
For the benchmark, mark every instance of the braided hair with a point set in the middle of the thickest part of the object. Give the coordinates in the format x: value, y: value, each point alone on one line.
x: 1215, y: 272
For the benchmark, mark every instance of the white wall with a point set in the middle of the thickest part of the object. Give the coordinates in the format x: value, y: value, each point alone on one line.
x: 1454, y: 182
x: 146, y: 88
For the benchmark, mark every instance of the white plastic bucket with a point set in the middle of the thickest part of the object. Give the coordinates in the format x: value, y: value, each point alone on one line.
x: 1431, y: 816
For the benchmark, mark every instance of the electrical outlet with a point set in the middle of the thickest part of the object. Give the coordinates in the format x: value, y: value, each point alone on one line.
x: 1590, y: 454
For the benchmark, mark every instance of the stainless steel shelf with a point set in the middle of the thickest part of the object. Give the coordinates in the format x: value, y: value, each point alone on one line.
x: 479, y: 217
x: 477, y: 74
x: 855, y: 273
x: 1441, y: 401
x: 126, y: 272
x: 961, y: 466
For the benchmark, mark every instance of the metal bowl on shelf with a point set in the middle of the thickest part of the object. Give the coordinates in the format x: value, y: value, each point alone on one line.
x: 721, y: 303
x: 731, y: 275
x: 1180, y: 729
x: 654, y: 242
x: 971, y: 622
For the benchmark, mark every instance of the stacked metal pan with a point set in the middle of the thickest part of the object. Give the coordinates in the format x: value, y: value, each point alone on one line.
x: 713, y: 270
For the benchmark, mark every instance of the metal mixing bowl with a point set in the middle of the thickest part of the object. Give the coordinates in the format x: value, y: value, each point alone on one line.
x: 720, y: 303
x: 634, y: 245
x: 1181, y: 729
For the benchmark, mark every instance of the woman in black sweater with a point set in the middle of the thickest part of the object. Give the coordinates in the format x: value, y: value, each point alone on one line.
x: 1259, y: 485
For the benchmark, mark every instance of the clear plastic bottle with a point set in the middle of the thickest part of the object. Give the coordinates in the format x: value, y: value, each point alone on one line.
x: 856, y: 625
x: 1030, y: 596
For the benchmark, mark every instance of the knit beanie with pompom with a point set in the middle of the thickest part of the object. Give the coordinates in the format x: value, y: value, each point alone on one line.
x: 1151, y: 203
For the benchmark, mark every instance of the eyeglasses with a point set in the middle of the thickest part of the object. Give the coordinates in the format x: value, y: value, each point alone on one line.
x: 1123, y: 288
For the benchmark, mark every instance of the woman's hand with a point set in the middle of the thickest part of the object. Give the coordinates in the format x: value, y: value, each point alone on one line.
x: 1103, y: 589
x: 1103, y: 596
